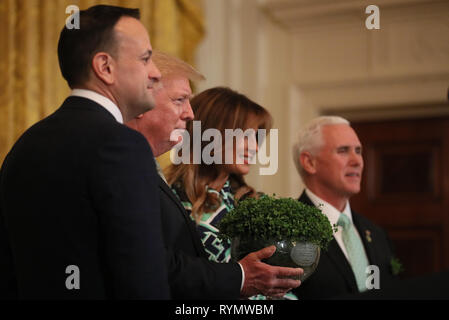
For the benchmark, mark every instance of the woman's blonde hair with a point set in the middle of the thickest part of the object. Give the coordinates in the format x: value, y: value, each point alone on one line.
x: 219, y: 108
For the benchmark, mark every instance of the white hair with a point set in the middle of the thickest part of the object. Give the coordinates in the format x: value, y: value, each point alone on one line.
x: 309, y: 138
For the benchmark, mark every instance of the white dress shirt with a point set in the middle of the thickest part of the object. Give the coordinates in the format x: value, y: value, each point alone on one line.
x: 333, y: 214
x: 101, y: 100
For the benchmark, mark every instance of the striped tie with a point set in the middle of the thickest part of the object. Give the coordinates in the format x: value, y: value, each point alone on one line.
x: 355, y: 250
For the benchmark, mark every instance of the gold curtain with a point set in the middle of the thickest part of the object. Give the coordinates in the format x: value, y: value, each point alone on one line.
x: 31, y: 85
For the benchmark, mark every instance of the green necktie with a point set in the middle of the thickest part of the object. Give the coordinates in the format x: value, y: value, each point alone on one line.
x: 355, y: 250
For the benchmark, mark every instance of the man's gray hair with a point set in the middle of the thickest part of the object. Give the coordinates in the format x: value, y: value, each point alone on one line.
x: 309, y: 138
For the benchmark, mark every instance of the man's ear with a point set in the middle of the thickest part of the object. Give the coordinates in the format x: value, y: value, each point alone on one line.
x: 308, y: 162
x: 103, y: 66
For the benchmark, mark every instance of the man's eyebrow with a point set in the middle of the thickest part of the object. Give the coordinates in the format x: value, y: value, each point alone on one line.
x: 147, y: 53
x: 184, y: 94
x: 347, y: 147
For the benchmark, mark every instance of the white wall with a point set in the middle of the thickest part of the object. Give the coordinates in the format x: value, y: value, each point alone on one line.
x: 302, y: 58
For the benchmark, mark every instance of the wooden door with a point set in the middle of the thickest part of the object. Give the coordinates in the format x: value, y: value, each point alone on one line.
x: 405, y: 188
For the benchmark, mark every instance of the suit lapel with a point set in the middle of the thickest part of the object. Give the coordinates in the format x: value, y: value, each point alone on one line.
x: 190, y: 224
x: 166, y: 189
x: 305, y: 199
x: 341, y: 264
x: 335, y: 254
x: 365, y: 235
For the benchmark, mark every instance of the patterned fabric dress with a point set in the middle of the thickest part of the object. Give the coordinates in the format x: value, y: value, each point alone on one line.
x: 217, y: 249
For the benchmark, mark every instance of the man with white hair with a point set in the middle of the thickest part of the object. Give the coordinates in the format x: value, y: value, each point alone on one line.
x: 328, y: 156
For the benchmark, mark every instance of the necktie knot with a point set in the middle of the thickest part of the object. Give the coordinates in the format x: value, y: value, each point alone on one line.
x: 343, y: 221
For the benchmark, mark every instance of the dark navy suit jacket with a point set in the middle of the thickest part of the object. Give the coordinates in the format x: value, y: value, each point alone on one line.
x: 78, y: 188
x: 333, y: 276
x: 191, y: 274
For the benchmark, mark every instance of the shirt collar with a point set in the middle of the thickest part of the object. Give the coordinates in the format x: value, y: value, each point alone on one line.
x: 329, y: 210
x: 101, y: 100
x: 159, y: 171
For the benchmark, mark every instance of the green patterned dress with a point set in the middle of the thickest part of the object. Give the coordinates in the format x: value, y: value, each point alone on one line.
x: 217, y: 250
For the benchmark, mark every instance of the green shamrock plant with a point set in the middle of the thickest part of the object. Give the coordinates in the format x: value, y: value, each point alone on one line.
x: 278, y: 219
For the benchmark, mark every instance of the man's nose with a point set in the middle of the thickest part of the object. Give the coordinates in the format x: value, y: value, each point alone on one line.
x: 356, y: 159
x: 187, y: 114
x: 153, y: 72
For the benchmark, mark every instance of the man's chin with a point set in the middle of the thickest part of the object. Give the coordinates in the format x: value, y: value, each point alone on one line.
x: 146, y: 106
x: 151, y: 103
x: 353, y: 191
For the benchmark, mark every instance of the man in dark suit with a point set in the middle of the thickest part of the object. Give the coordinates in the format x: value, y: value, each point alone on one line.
x: 79, y: 211
x: 328, y: 156
x: 191, y: 275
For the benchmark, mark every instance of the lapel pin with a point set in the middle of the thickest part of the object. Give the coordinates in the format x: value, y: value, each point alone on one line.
x: 368, y: 236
